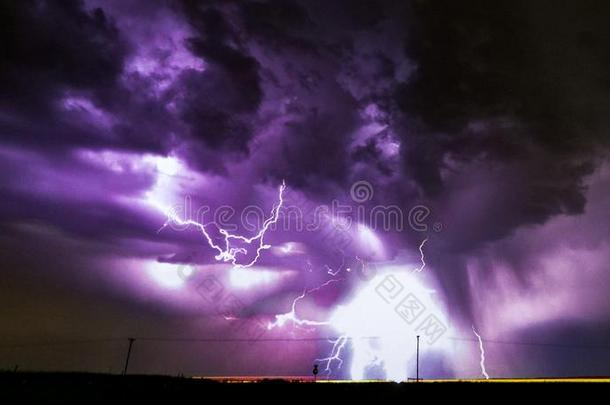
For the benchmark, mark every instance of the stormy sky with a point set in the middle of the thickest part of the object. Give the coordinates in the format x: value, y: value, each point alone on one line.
x: 492, y: 117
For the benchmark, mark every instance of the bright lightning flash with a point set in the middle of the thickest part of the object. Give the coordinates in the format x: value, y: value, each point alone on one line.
x: 291, y: 316
x: 482, y: 349
x: 335, y: 353
x: 421, y: 256
x: 378, y: 322
x: 229, y: 253
x: 338, y: 344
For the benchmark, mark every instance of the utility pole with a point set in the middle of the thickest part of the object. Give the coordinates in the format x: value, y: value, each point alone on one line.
x: 417, y: 362
x: 131, y: 340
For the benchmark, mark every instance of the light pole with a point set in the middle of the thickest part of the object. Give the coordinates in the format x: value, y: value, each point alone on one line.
x: 131, y: 340
x: 417, y: 362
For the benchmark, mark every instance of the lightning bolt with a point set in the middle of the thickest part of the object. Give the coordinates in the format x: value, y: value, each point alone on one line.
x: 482, y: 349
x: 280, y: 320
x: 335, y: 353
x: 228, y: 253
x: 421, y: 256
x: 334, y: 272
x: 338, y: 344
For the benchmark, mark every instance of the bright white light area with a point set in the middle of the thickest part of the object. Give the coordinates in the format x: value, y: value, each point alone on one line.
x: 167, y: 165
x: 166, y: 192
x: 394, y: 306
x: 121, y: 162
x: 289, y: 249
x: 168, y: 275
x: 369, y: 242
x: 246, y: 278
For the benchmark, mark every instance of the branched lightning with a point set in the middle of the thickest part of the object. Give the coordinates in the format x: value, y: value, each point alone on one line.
x: 228, y: 253
x: 482, y: 349
x: 291, y: 316
x: 338, y: 344
x: 335, y: 353
x: 281, y: 319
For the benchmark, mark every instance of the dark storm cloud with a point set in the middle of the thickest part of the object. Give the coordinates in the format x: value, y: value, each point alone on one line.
x: 61, y: 69
x: 41, y: 62
x: 45, y: 189
x: 278, y: 24
x: 313, y: 151
x: 536, y: 62
x: 485, y: 88
x: 372, y: 154
x: 499, y: 122
x: 219, y: 104
x: 51, y: 46
x: 518, y: 84
x: 499, y: 108
x: 291, y: 57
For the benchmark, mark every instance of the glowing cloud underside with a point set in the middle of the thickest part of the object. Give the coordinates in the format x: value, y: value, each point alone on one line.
x: 167, y: 274
x: 378, y: 335
x: 244, y: 279
x: 369, y: 242
x: 227, y: 252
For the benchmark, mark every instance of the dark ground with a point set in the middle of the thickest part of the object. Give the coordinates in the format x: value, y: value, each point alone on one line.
x: 86, y: 388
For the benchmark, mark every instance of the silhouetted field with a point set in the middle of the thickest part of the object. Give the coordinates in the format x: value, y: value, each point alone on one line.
x: 87, y: 388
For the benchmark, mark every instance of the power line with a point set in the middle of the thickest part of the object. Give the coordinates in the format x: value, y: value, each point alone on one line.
x: 245, y: 340
x: 60, y: 343
x: 332, y: 338
x: 544, y: 344
x: 288, y: 340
